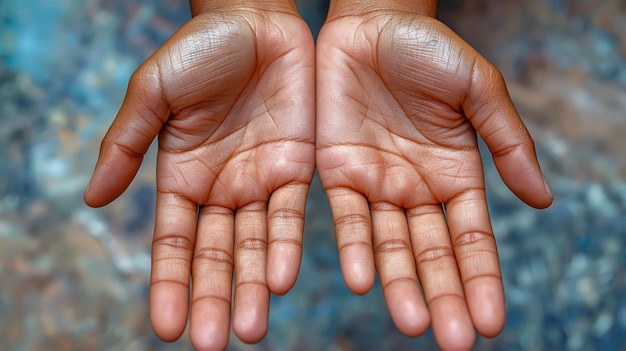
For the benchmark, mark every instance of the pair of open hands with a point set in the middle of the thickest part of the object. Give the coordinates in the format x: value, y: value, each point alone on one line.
x: 386, y: 106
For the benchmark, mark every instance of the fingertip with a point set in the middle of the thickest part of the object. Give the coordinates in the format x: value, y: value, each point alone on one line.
x: 486, y: 304
x: 166, y: 335
x: 251, y: 327
x: 414, y: 327
x: 536, y: 194
x: 110, y: 179
x: 91, y: 196
x: 459, y: 343
x: 203, y: 340
x: 548, y: 198
x: 87, y: 197
x: 407, y: 308
x: 542, y: 204
x: 250, y: 334
x: 522, y: 174
x: 283, y: 266
x: 452, y: 325
x: 166, y: 331
x: 359, y: 273
x: 207, y: 330
x: 168, y: 313
x: 94, y: 197
x: 279, y: 287
x: 281, y: 278
x: 490, y: 328
x: 357, y: 266
x: 251, y: 312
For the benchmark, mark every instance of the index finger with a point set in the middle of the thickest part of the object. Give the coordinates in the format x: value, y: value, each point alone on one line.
x: 172, y: 250
x: 477, y: 258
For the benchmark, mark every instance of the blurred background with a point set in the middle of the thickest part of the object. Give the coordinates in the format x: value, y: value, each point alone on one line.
x: 74, y: 278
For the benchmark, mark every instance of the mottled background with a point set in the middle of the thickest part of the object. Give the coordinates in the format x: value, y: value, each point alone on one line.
x: 74, y: 278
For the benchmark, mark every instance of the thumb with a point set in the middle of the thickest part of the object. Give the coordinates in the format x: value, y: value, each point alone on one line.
x: 138, y: 121
x: 490, y: 110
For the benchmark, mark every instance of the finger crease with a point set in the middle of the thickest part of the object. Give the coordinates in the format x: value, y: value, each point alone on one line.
x: 507, y: 149
x: 169, y: 281
x: 390, y: 246
x: 441, y: 296
x: 286, y: 241
x: 128, y: 150
x: 354, y: 243
x: 286, y: 213
x: 484, y: 275
x: 174, y: 241
x: 472, y: 238
x: 352, y: 219
x: 211, y: 297
x: 399, y: 280
x: 435, y: 253
x: 252, y: 244
x: 214, y: 255
x: 185, y: 260
x: 251, y: 282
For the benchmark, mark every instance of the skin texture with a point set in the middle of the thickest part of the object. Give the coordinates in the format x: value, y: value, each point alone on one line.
x: 400, y: 99
x: 231, y: 98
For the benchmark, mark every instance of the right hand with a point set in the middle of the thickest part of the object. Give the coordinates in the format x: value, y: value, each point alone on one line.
x: 400, y: 101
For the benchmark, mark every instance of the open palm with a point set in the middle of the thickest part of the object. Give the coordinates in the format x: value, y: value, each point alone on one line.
x: 400, y: 98
x: 231, y: 98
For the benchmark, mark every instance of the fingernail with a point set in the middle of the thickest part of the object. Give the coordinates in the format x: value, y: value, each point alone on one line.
x: 87, y: 188
x: 548, y: 190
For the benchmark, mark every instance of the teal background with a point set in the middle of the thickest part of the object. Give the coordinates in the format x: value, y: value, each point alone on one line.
x: 75, y: 278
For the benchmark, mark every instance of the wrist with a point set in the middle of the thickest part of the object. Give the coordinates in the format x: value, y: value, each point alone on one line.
x: 340, y: 8
x: 203, y: 6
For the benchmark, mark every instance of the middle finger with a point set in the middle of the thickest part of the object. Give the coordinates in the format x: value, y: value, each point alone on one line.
x: 439, y: 276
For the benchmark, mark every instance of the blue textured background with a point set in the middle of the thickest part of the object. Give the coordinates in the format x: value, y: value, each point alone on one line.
x: 74, y: 278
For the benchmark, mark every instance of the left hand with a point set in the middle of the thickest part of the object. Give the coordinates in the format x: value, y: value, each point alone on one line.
x: 231, y: 97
